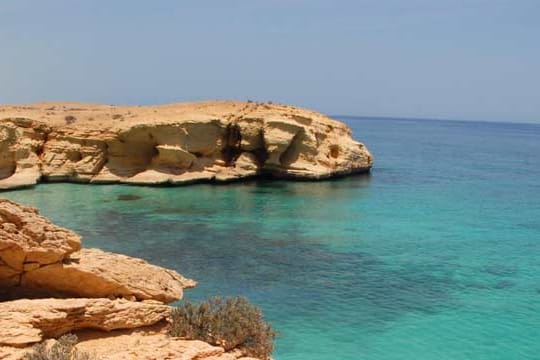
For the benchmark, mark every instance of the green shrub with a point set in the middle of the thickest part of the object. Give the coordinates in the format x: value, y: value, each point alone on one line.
x: 232, y: 323
x: 62, y: 349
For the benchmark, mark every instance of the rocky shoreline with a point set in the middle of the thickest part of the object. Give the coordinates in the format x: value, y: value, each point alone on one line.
x: 172, y: 144
x: 116, y: 304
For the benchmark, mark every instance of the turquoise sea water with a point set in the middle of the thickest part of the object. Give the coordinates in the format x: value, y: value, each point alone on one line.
x: 436, y: 255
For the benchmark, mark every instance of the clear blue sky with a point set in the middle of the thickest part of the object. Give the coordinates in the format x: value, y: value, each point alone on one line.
x: 477, y: 60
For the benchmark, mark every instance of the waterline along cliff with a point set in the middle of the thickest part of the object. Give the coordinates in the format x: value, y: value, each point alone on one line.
x: 172, y: 144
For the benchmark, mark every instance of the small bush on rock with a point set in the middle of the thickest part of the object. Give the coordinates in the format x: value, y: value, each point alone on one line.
x: 232, y: 324
x: 70, y: 119
x: 62, y: 349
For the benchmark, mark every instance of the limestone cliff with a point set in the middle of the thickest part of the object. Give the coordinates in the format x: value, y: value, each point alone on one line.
x: 172, y: 144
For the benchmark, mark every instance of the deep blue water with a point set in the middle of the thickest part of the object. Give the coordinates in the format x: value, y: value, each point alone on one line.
x: 436, y: 255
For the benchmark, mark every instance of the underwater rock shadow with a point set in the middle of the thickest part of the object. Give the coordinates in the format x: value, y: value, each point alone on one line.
x: 294, y: 271
x: 288, y: 268
x: 128, y: 197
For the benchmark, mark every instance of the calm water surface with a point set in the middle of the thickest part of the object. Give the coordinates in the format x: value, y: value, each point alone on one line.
x: 433, y: 256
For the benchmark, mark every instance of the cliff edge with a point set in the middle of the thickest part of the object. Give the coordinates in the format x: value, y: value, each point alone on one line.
x: 172, y: 144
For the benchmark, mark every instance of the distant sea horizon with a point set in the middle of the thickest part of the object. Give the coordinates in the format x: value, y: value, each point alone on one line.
x: 404, y: 118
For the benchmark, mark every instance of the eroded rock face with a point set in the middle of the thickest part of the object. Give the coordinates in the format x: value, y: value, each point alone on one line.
x: 24, y: 322
x: 29, y: 241
x: 21, y: 142
x: 96, y: 273
x: 173, y: 144
x: 40, y: 259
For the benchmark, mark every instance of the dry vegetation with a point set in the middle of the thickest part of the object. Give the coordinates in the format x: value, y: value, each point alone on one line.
x: 62, y: 349
x: 70, y: 119
x: 232, y: 323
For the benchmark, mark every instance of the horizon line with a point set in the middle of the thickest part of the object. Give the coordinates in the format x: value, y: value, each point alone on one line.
x: 405, y: 118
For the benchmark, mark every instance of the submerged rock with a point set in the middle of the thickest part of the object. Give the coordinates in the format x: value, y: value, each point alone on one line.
x: 172, y: 144
x: 128, y: 197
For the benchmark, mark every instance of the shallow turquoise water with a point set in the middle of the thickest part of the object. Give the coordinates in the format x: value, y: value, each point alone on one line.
x: 433, y: 256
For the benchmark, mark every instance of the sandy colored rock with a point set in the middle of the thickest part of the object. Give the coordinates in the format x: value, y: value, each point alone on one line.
x: 28, y: 241
x: 150, y: 343
x: 147, y: 343
x: 175, y: 144
x: 11, y: 353
x: 40, y: 259
x: 95, y: 273
x: 21, y: 142
x: 29, y: 321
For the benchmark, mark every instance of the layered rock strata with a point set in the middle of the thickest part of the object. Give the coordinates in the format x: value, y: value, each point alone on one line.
x: 172, y: 144
x: 25, y: 322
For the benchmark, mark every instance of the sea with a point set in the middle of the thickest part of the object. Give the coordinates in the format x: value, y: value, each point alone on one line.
x: 433, y: 256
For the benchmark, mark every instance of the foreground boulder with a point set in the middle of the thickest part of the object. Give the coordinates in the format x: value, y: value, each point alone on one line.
x: 95, y: 273
x: 24, y: 322
x: 29, y: 241
x: 40, y: 259
x: 174, y: 144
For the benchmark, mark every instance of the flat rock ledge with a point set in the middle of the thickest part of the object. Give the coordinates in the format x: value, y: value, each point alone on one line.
x: 40, y: 259
x: 96, y: 273
x: 148, y: 343
x: 114, y: 303
x: 24, y: 322
x: 172, y: 144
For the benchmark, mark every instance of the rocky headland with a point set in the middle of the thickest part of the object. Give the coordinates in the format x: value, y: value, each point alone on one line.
x: 117, y: 305
x: 172, y: 144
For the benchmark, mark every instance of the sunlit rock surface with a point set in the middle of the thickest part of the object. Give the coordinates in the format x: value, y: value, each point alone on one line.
x: 172, y: 144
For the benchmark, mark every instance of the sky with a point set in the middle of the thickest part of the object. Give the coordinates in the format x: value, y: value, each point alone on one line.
x: 448, y: 59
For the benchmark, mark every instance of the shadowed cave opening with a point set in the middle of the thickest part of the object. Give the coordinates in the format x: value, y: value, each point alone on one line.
x: 232, y: 140
x: 7, y: 167
x: 22, y: 292
x: 131, y: 158
x: 291, y: 153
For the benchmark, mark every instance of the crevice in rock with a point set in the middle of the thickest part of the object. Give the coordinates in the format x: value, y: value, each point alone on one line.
x: 261, y: 154
x: 232, y: 140
x: 292, y: 151
x: 41, y: 147
x: 104, y: 160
